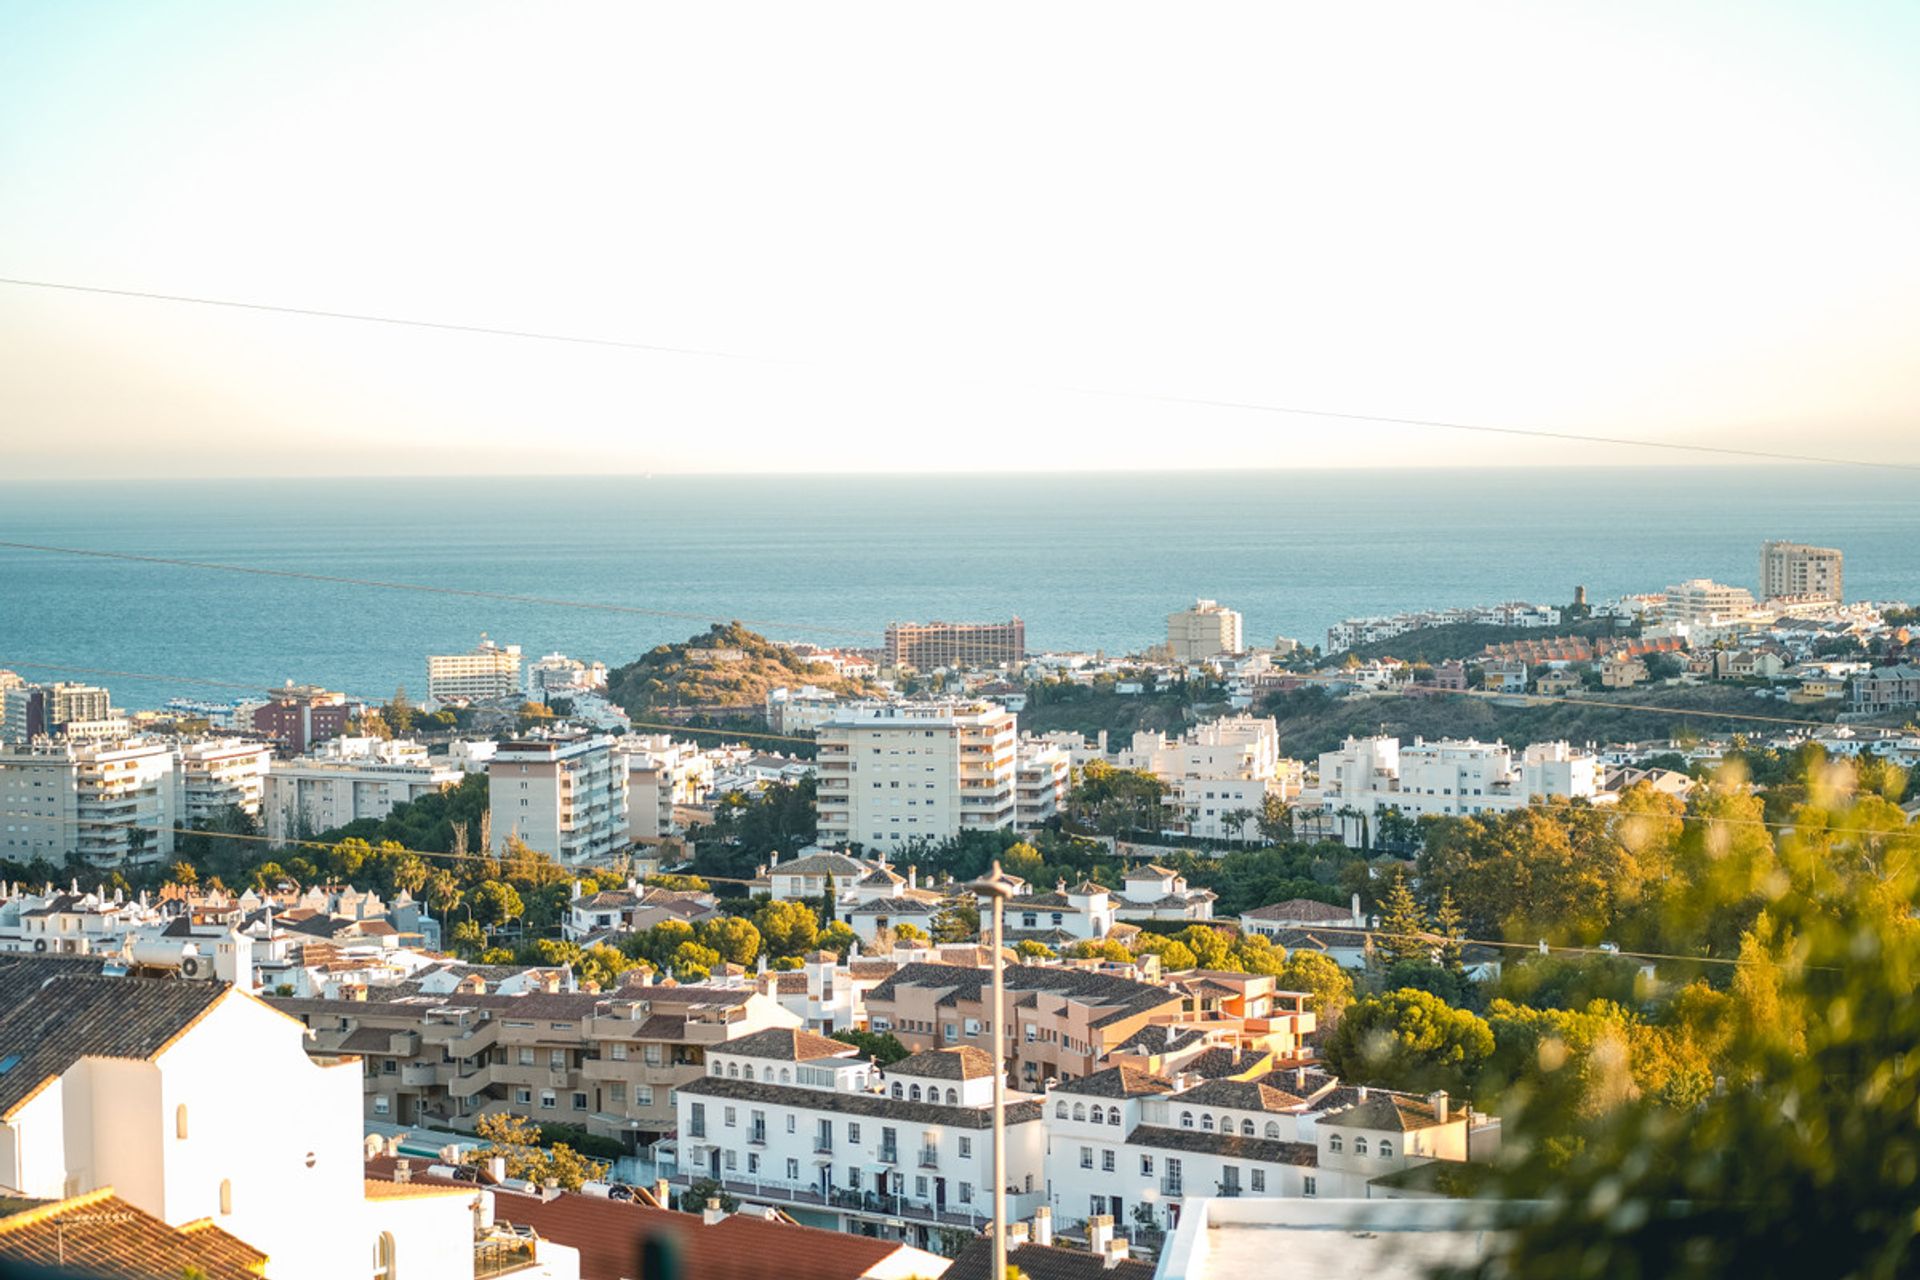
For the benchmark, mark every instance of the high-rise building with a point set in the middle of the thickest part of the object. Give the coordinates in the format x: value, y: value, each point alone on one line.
x: 892, y: 773
x: 112, y: 803
x: 564, y: 795
x: 1791, y: 569
x: 487, y: 672
x: 302, y: 716
x: 29, y: 711
x: 1204, y: 631
x: 926, y: 646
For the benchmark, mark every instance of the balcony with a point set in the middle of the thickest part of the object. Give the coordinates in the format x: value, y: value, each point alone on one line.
x: 419, y: 1075
x: 929, y: 1158
x: 757, y: 1136
x: 1170, y: 1187
x: 505, y: 1249
x: 874, y: 1203
x: 471, y: 1083
x: 823, y: 1146
x: 889, y: 1155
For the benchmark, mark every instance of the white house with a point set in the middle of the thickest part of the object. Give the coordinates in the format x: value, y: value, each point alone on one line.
x: 1154, y: 892
x: 1064, y: 916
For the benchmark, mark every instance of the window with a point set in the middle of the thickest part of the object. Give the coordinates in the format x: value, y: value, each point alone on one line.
x: 730, y: 1117
x: 1186, y: 1119
x: 1386, y: 1149
x: 1059, y: 1110
x: 180, y: 1121
x: 853, y: 1133
x: 920, y: 1188
x: 1257, y: 1179
x: 1308, y: 1186
x: 966, y: 1193
x: 643, y: 1095
x: 526, y: 1056
x: 618, y: 1052
x: 753, y: 1161
x: 1086, y: 1157
x: 899, y: 1091
x: 579, y: 1102
x: 793, y: 1170
x: 383, y: 1257
x: 547, y: 1100
x: 698, y: 1117
x: 953, y: 1097
x: 966, y: 1147
x: 1359, y: 1146
x: 1206, y: 1122
x: 1079, y: 1112
x: 1273, y: 1129
x: 1106, y: 1162
x: 746, y: 1072
x: 382, y: 1106
x: 732, y: 1160
x: 733, y: 1070
x: 913, y: 1094
x: 1246, y: 1128
x: 791, y: 1122
x: 1146, y: 1166
x: 523, y: 1096
x: 1113, y: 1115
x: 1333, y: 1142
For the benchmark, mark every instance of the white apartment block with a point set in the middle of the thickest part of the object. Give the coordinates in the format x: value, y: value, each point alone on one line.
x: 801, y: 710
x: 661, y: 773
x: 1451, y: 778
x: 1043, y: 773
x: 559, y: 675
x: 895, y: 773
x: 1788, y: 569
x: 1513, y: 613
x: 487, y: 672
x: 346, y: 780
x: 1154, y: 892
x: 1219, y: 773
x: 112, y: 803
x: 1702, y: 602
x: 790, y: 1119
x: 564, y: 796
x: 214, y: 775
x: 1205, y: 631
x: 29, y: 710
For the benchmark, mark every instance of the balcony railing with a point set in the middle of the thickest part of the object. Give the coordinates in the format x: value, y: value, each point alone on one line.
x: 929, y: 1158
x: 496, y: 1255
x: 1170, y: 1187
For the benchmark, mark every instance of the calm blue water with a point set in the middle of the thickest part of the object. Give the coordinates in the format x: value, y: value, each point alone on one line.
x: 1093, y: 561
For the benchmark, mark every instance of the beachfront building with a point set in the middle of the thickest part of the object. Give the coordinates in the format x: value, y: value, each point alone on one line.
x: 564, y: 795
x: 1790, y: 570
x: 1205, y: 631
x: 29, y: 711
x: 110, y: 802
x: 1702, y: 602
x: 926, y: 646
x: 485, y: 673
x: 896, y: 774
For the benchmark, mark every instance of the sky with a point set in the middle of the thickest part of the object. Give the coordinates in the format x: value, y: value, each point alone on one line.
x: 956, y: 238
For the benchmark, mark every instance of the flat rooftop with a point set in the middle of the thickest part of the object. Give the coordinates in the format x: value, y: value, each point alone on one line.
x: 1253, y: 1238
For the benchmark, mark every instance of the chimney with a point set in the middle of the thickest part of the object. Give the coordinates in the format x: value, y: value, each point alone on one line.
x: 1116, y: 1253
x: 403, y: 1171
x: 662, y: 1193
x: 1363, y: 1093
x: 1016, y: 1235
x: 913, y: 877
x: 1043, y: 1225
x: 1356, y: 909
x: 714, y: 1213
x: 497, y: 1168
x: 1099, y: 1233
x: 1439, y: 1102
x: 1300, y: 1079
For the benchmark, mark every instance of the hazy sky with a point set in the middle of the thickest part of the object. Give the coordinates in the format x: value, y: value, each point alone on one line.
x: 1683, y: 221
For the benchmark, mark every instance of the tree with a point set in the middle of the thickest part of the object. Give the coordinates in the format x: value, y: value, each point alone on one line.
x: 184, y: 874
x: 1409, y: 1040
x: 959, y: 922
x: 907, y: 931
x: 468, y: 939
x: 1446, y: 923
x: 495, y: 903
x: 443, y: 892
x: 516, y: 1140
x: 1401, y: 938
x: 1028, y: 949
x: 1100, y: 949
x: 1320, y: 976
x: 787, y: 928
x: 399, y: 712
x: 693, y: 962
x: 1174, y: 955
x: 408, y: 872
x: 1275, y: 819
x: 883, y: 1047
x: 734, y: 939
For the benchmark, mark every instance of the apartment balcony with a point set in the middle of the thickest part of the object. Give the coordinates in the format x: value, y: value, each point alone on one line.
x: 1170, y: 1187
x: 470, y: 1083
x: 823, y: 1146
x: 889, y: 1155
x: 757, y: 1136
x: 503, y: 1250
x: 873, y: 1204
x: 929, y: 1158
x: 420, y: 1075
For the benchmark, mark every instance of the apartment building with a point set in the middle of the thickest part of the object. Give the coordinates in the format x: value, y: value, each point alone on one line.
x: 1218, y: 774
x: 1042, y: 776
x: 801, y: 710
x: 926, y: 646
x: 29, y: 711
x: 893, y: 774
x: 806, y: 1124
x: 112, y: 803
x: 1702, y: 602
x: 564, y: 795
x: 345, y: 780
x: 299, y: 718
x: 486, y: 672
x: 1793, y: 570
x: 1884, y: 689
x: 661, y: 774
x: 1450, y: 778
x: 1060, y: 1022
x: 609, y: 1061
x: 1205, y: 631
x: 214, y: 775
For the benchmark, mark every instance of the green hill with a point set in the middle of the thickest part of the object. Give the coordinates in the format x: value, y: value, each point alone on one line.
x: 727, y: 666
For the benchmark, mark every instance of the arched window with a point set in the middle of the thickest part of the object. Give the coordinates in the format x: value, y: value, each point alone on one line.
x: 716, y: 1066
x: 786, y: 1076
x: 226, y: 1195
x: 953, y: 1097
x: 1186, y: 1119
x: 1113, y: 1115
x: 746, y: 1072
x: 1273, y: 1129
x: 1079, y: 1112
x: 1359, y: 1146
x: 180, y: 1121
x: 733, y: 1070
x: 1246, y: 1128
x: 383, y: 1257
x: 1206, y: 1122
x: 1333, y: 1142
x: 1386, y: 1149
x: 913, y: 1093
x: 899, y: 1090
x: 1060, y: 1110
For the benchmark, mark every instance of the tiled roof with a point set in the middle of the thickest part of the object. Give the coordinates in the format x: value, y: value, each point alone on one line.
x: 961, y: 1063
x: 820, y: 864
x: 1387, y: 1112
x: 1043, y: 1262
x: 103, y: 1236
x: 1230, y: 1145
x: 1301, y: 911
x: 856, y: 1104
x: 1116, y: 1082
x: 785, y: 1044
x: 1160, y: 1037
x: 1100, y: 990
x: 1214, y: 1064
x: 367, y: 1040
x: 1241, y: 1095
x: 79, y: 1017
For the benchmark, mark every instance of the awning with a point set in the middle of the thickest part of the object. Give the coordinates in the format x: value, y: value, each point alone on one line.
x: 877, y: 1167
x: 823, y: 1161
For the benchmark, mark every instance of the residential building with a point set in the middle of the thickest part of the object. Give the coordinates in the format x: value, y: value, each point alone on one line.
x: 894, y: 774
x: 485, y: 673
x: 215, y: 775
x: 112, y: 803
x: 1882, y: 689
x: 564, y: 795
x: 1031, y: 1251
x: 1339, y: 933
x: 927, y: 646
x: 605, y: 915
x: 1043, y: 774
x: 662, y: 774
x: 802, y: 710
x: 346, y: 780
x: 557, y: 675
x: 608, y: 1061
x: 299, y: 718
x: 1790, y: 569
x: 50, y: 920
x: 1084, y: 913
x: 1702, y: 602
x: 101, y: 1234
x: 1205, y: 631
x: 1230, y: 1238
x: 1367, y: 777
x: 130, y: 1084
x: 1154, y: 892
x: 788, y: 1118
x: 29, y: 711
x: 1218, y: 774
x: 1061, y: 1022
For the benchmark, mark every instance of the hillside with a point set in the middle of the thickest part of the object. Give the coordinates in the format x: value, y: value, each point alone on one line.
x: 726, y: 666
x: 1311, y: 721
x: 1464, y: 640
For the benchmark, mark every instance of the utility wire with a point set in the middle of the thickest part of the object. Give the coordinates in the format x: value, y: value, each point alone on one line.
x: 1198, y: 402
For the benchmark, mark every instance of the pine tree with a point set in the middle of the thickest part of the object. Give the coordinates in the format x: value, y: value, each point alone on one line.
x: 1446, y: 923
x: 1401, y: 925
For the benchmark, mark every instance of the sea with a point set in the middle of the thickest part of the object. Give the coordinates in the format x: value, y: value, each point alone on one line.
x: 1090, y: 561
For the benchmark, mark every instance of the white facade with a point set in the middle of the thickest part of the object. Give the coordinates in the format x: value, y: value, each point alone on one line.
x: 1702, y: 602
x: 347, y: 780
x: 1215, y: 770
x: 661, y: 773
x: 563, y: 796
x: 488, y: 672
x: 1154, y: 892
x: 801, y: 710
x: 1451, y: 778
x: 1043, y: 773
x: 1205, y: 631
x: 1792, y: 570
x: 110, y: 802
x: 896, y: 773
x: 215, y: 775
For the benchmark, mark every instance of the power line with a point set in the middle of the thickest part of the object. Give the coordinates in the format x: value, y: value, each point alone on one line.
x: 1198, y: 402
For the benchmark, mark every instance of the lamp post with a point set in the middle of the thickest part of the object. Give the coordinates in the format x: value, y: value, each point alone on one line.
x: 996, y: 887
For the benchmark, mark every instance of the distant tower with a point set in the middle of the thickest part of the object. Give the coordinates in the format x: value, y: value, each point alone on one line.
x: 1579, y: 608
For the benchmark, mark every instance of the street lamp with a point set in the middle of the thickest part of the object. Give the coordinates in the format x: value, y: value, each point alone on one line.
x: 998, y: 887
